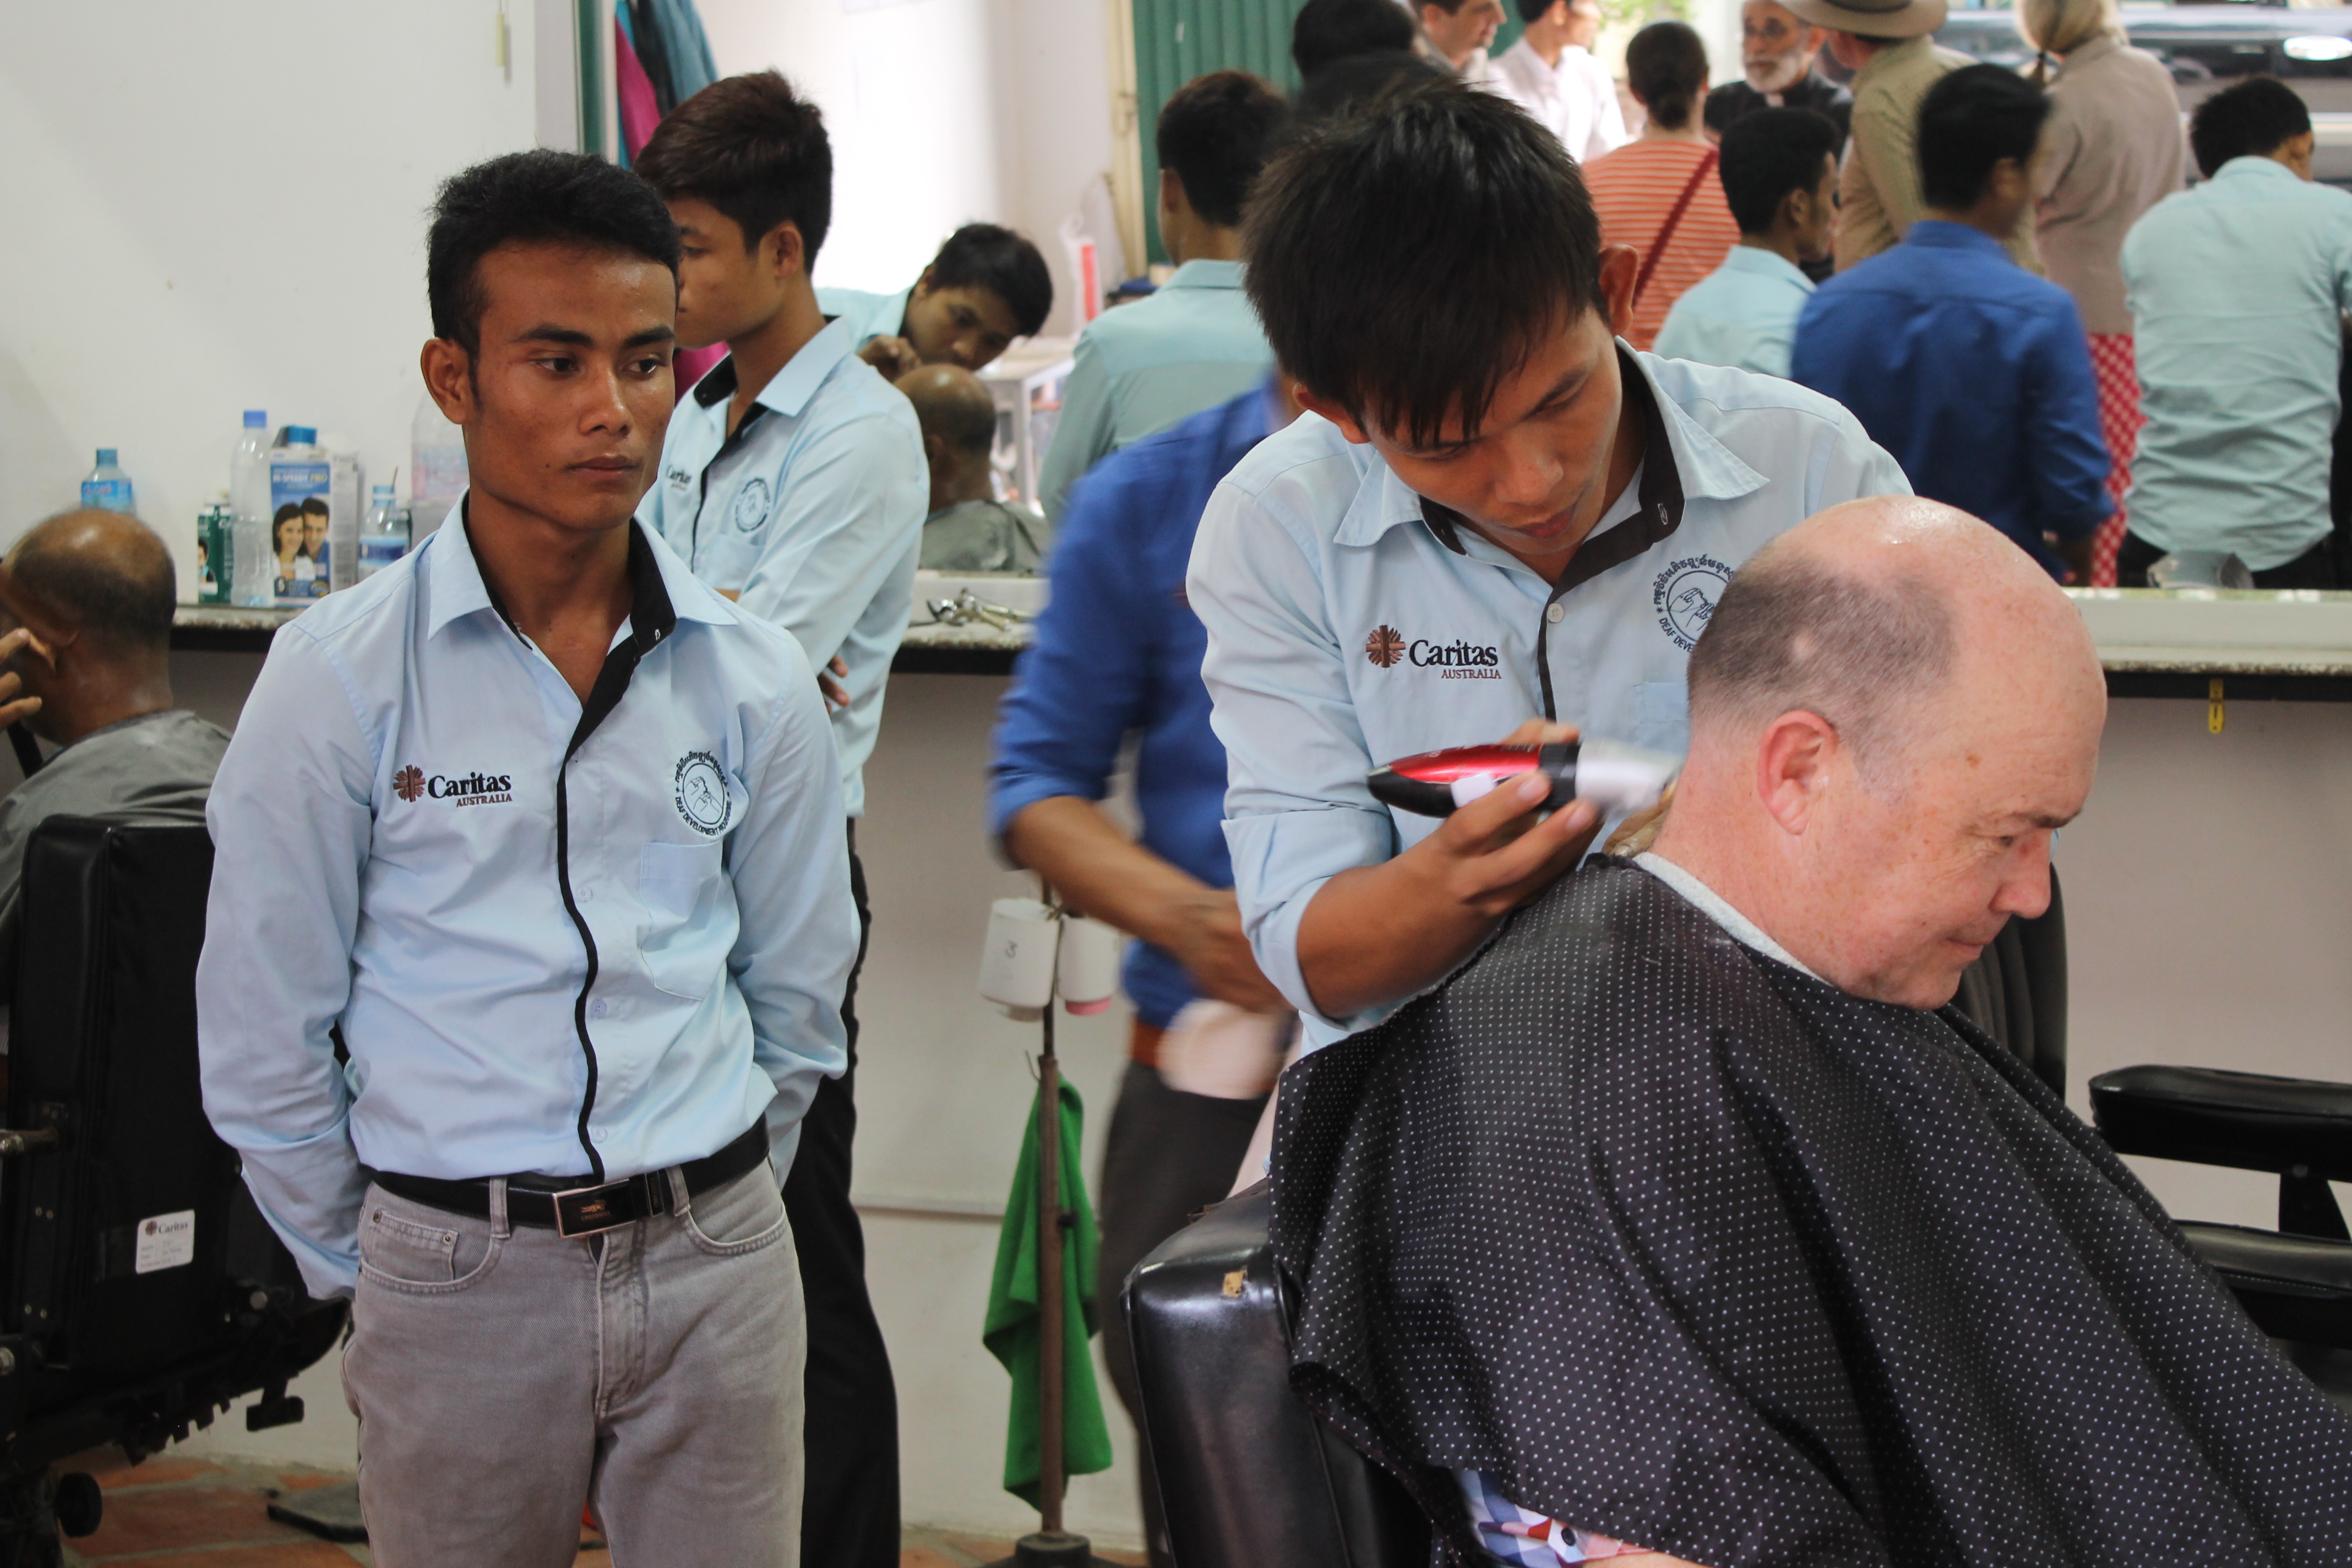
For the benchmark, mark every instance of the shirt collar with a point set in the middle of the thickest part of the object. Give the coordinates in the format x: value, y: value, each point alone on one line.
x: 2255, y: 167
x: 789, y: 390
x: 1892, y: 55
x: 1757, y: 262
x: 1938, y: 235
x: 663, y: 592
x: 1205, y: 275
x: 1680, y: 460
x: 1713, y: 905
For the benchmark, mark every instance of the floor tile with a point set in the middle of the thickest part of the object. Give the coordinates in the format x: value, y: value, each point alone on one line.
x: 154, y: 1519
x: 982, y: 1548
x: 285, y: 1555
x: 153, y: 1473
x: 928, y: 1557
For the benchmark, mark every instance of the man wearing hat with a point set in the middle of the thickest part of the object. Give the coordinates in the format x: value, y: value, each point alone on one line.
x: 1887, y: 45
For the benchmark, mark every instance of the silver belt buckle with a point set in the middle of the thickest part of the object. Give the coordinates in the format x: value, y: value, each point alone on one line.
x: 587, y: 1211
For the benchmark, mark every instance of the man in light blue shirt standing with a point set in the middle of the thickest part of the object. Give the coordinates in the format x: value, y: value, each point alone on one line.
x: 1195, y: 341
x: 1780, y: 176
x: 793, y: 483
x: 986, y: 286
x: 2238, y: 289
x: 529, y: 926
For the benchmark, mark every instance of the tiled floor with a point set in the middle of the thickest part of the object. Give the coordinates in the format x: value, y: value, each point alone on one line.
x: 214, y: 1515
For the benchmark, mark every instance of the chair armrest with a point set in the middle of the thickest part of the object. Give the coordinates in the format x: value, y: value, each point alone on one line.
x: 2294, y: 1288
x: 2247, y: 1120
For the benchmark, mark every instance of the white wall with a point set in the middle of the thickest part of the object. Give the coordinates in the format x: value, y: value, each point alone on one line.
x: 217, y: 208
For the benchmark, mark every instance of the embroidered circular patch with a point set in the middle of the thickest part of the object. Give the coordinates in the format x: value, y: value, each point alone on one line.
x: 750, y: 508
x: 701, y: 793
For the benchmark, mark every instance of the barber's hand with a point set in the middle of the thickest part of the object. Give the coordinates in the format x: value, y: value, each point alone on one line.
x: 14, y: 708
x: 894, y: 357
x: 829, y: 681
x: 1493, y: 855
x: 1208, y: 941
x: 1638, y: 832
x: 1540, y: 732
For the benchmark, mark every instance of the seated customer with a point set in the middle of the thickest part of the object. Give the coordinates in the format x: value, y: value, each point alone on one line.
x: 1974, y: 372
x: 2238, y: 289
x: 968, y: 528
x: 1689, y: 1212
x: 1779, y: 174
x: 986, y: 286
x: 87, y: 604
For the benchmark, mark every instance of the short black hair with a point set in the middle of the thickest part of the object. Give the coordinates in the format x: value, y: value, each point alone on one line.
x: 1346, y: 86
x: 1970, y: 121
x: 984, y: 256
x: 1405, y: 262
x: 1665, y: 65
x: 541, y: 197
x: 1769, y: 153
x: 2251, y: 119
x: 1328, y: 30
x: 1532, y: 11
x: 315, y: 504
x: 753, y: 149
x: 1215, y: 134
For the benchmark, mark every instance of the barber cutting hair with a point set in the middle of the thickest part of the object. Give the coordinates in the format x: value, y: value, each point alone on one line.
x: 1495, y: 509
x: 547, y: 837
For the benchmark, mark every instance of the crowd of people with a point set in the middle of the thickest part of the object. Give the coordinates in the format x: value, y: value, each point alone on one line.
x: 529, y: 999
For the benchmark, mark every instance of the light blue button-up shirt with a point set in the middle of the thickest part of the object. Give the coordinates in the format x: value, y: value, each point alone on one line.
x: 2237, y: 290
x: 868, y: 316
x: 607, y: 966
x: 811, y: 511
x: 1345, y: 631
x: 1743, y: 314
x: 1192, y: 344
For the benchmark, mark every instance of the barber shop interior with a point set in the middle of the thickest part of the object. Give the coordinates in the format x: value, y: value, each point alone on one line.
x: 1196, y: 784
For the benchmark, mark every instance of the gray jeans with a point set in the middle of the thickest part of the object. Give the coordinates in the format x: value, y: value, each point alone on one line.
x: 504, y: 1375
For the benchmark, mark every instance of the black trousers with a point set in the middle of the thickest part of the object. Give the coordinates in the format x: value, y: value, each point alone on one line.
x: 1169, y: 1155
x: 849, y: 1518
x: 2314, y: 568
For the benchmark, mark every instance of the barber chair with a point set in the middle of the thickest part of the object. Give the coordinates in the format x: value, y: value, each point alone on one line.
x: 140, y: 1291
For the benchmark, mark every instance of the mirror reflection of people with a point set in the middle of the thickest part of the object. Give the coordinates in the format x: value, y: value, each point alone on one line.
x: 1694, y: 1211
x: 968, y: 528
x: 585, y: 1003
x: 986, y: 286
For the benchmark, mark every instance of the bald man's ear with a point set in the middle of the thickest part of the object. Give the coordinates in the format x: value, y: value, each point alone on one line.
x: 1794, y: 757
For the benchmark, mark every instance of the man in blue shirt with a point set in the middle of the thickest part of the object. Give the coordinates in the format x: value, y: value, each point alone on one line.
x: 1118, y: 653
x: 794, y: 481
x: 1779, y: 174
x: 986, y: 286
x: 2238, y: 291
x: 1196, y: 341
x: 544, y: 837
x: 1974, y: 372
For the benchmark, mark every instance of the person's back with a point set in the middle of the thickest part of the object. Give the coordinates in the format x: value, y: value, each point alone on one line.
x: 1780, y: 177
x: 1196, y: 341
x: 2237, y: 289
x: 1972, y: 372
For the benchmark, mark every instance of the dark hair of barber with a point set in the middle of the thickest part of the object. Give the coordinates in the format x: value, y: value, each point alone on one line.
x: 1326, y: 31
x: 2251, y: 119
x: 753, y: 149
x: 533, y: 198
x: 1768, y: 154
x: 1969, y: 122
x: 1402, y: 263
x: 1215, y: 134
x: 1665, y: 65
x: 984, y: 256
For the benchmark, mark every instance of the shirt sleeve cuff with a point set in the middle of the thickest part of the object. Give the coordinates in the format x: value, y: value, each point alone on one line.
x: 1281, y: 861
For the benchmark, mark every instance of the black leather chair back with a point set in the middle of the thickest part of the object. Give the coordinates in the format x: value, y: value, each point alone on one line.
x: 2016, y: 991
x: 1248, y: 1477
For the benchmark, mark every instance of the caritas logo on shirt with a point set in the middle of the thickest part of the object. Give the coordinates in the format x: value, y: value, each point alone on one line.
x: 1388, y: 648
x: 411, y: 784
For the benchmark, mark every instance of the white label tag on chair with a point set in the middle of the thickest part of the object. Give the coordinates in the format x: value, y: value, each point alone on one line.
x: 166, y: 1241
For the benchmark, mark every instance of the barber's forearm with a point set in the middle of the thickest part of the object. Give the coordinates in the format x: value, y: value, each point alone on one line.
x: 1100, y: 872
x: 1376, y: 935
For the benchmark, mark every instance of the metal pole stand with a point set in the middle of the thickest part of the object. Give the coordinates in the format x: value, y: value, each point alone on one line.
x: 1050, y: 1546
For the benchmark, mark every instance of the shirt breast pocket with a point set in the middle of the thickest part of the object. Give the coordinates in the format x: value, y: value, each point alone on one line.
x: 684, y: 942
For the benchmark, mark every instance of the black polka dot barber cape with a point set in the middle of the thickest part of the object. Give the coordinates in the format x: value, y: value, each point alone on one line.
x: 1678, y: 1245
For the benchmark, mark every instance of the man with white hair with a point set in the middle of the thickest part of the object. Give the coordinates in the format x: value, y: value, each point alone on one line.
x: 1692, y: 1216
x: 1778, y: 50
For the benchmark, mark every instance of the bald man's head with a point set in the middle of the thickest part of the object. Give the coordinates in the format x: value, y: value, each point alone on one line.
x: 953, y: 405
x: 98, y: 578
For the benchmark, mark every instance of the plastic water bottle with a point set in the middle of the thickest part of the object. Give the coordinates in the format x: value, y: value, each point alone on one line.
x: 249, y: 501
x: 108, y: 486
x: 302, y: 562
x: 383, y: 536
x: 436, y: 467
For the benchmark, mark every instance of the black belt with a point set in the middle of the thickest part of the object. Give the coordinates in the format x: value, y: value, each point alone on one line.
x: 584, y: 1211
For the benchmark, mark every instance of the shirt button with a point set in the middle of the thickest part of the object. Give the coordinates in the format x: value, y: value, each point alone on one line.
x: 598, y: 1008
x: 586, y: 895
x: 1556, y: 613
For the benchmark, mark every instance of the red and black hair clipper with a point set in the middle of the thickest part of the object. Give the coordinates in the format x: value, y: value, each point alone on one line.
x: 1613, y: 776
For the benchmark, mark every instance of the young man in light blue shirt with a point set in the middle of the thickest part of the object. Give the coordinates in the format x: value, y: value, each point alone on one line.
x: 2238, y: 289
x: 794, y: 481
x: 1495, y: 520
x: 1780, y: 176
x: 1195, y: 341
x: 986, y: 286
x: 527, y: 939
